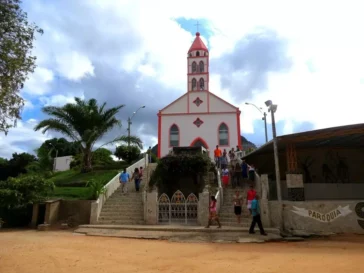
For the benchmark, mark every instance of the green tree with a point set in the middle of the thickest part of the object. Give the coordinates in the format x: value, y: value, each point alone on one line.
x: 85, y: 122
x: 122, y: 152
x: 16, y: 42
x: 55, y: 147
x: 102, y: 156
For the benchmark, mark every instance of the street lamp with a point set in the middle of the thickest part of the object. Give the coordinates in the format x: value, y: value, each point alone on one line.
x: 129, y: 123
x: 263, y: 118
x: 55, y: 159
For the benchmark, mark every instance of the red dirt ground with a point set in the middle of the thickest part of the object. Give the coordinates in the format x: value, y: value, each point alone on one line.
x: 61, y: 251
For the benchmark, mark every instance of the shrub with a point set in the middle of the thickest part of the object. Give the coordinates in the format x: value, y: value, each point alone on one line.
x: 173, y: 167
x: 96, y: 188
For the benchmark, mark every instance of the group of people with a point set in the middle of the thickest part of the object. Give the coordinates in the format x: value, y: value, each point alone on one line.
x: 124, y: 178
x: 252, y: 204
x: 237, y: 172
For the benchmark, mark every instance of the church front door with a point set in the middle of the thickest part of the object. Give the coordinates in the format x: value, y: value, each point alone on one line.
x: 199, y: 142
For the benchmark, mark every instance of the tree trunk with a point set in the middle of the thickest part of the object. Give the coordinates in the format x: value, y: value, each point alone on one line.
x: 86, y: 166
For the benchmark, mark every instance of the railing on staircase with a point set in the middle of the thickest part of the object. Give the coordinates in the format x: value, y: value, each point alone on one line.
x: 111, y: 187
x: 219, y: 194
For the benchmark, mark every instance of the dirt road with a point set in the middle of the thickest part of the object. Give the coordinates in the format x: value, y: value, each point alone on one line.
x: 53, y: 252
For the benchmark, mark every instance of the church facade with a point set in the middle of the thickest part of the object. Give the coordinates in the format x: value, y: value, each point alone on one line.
x: 198, y: 118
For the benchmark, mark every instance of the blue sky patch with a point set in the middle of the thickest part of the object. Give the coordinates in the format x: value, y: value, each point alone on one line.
x: 190, y: 26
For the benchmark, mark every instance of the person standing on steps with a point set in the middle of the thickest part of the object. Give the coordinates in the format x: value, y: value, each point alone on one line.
x: 149, y: 152
x: 244, y: 169
x: 225, y: 177
x: 223, y: 161
x: 251, y: 173
x: 213, y: 213
x: 256, y: 217
x: 238, y: 201
x: 124, y: 178
x: 217, y: 155
x: 136, y: 177
x: 250, y: 197
x: 140, y: 175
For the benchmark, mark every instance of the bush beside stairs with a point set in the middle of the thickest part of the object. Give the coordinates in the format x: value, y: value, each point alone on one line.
x: 120, y: 209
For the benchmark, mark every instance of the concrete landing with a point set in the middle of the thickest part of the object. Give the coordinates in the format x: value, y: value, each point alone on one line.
x: 180, y: 233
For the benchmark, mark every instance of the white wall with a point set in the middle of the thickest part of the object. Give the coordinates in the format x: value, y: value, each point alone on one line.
x: 208, y: 130
x: 62, y: 163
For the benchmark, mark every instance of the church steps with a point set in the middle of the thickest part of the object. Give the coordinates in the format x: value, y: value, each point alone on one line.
x: 125, y: 209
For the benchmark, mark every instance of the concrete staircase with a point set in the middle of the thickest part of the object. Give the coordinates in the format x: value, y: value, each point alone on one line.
x: 120, y: 209
x: 226, y: 214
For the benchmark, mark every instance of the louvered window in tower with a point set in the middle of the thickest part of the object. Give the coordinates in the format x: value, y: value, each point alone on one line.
x: 194, y: 67
x: 202, y: 84
x: 201, y: 66
x: 194, y: 84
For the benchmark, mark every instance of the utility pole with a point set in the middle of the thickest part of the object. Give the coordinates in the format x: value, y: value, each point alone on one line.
x: 129, y: 125
x: 265, y: 126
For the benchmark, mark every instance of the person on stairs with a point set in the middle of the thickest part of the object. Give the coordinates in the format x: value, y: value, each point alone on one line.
x: 238, y: 201
x: 225, y: 177
x: 244, y: 169
x: 217, y: 155
x: 124, y: 178
x: 136, y: 177
x: 256, y: 217
x: 140, y: 175
x: 237, y: 175
x: 213, y: 213
x: 250, y: 197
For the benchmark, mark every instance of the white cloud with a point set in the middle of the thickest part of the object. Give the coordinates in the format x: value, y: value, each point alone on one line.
x: 39, y: 82
x: 324, y: 86
x: 74, y: 66
x: 21, y: 139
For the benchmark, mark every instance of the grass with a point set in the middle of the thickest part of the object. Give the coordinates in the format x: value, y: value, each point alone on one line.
x: 71, y: 184
x: 71, y: 193
x: 73, y: 178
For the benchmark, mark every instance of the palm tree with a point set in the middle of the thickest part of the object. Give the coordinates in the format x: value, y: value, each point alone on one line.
x: 85, y: 122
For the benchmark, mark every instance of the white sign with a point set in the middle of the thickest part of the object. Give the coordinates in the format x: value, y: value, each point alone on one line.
x: 323, y: 217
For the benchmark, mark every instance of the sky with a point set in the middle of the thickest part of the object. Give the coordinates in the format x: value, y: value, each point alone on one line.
x: 305, y: 56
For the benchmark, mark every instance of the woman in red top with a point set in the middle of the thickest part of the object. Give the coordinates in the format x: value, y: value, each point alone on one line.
x: 250, y: 197
x: 213, y: 212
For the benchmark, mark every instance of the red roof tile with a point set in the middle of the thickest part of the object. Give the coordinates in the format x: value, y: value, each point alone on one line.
x: 198, y: 44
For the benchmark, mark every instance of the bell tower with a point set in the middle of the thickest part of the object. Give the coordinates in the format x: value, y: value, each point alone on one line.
x: 198, y: 66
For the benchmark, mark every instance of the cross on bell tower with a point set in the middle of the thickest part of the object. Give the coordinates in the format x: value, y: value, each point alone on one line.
x: 198, y: 65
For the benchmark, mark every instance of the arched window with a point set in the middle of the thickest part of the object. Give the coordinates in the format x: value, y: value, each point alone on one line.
x: 202, y: 84
x: 198, y: 53
x: 174, y: 136
x: 194, y: 67
x: 194, y: 84
x: 223, y: 135
x: 201, y: 66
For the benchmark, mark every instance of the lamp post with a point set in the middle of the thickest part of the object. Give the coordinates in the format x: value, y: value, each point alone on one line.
x: 129, y: 123
x: 263, y: 118
x: 55, y: 159
x: 273, y: 108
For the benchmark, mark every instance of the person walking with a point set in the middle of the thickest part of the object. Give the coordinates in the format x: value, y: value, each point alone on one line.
x: 213, y: 213
x: 250, y: 197
x: 244, y: 169
x: 149, y: 152
x: 124, y: 178
x: 136, y: 177
x: 225, y: 177
x: 256, y: 217
x: 238, y: 201
x: 251, y: 173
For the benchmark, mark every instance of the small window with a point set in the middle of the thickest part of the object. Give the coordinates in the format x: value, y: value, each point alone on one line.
x: 201, y: 66
x: 194, y: 67
x: 194, y: 84
x: 174, y: 136
x: 198, y: 53
x: 202, y: 84
x: 190, y: 54
x: 223, y: 135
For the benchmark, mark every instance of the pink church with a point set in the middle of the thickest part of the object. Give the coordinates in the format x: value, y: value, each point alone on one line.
x: 198, y: 118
